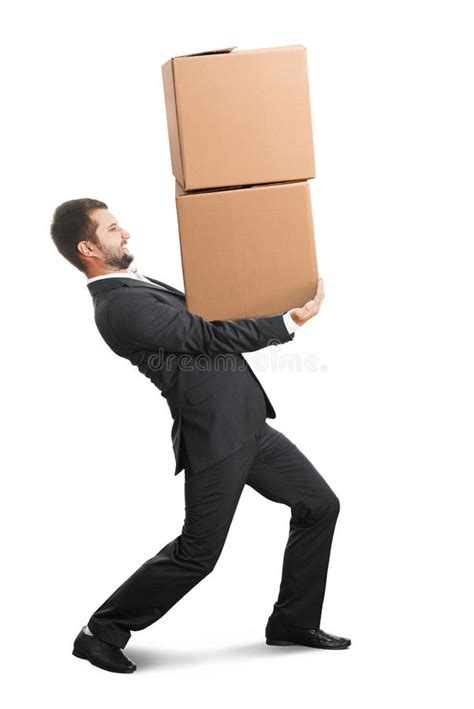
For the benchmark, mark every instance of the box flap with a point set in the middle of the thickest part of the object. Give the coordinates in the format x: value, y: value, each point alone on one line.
x: 178, y: 189
x: 210, y: 51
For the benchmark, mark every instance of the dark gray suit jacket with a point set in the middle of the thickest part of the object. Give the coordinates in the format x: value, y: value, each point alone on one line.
x: 215, y: 399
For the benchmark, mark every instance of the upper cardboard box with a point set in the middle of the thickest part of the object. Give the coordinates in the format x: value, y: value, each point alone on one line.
x: 239, y: 117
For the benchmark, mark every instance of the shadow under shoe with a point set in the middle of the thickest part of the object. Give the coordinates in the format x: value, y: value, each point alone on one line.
x: 101, y: 654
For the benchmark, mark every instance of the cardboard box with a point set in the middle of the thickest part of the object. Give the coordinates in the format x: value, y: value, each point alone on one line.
x: 247, y: 252
x: 239, y: 117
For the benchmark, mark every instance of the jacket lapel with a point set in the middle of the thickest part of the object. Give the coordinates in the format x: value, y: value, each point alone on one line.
x: 164, y: 285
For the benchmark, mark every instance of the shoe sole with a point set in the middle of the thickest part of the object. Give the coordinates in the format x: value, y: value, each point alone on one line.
x: 78, y: 653
x: 317, y: 647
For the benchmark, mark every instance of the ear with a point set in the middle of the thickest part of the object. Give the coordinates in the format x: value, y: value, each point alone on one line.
x: 85, y: 248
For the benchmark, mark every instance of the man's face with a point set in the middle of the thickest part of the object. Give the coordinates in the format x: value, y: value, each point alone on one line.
x: 112, y: 248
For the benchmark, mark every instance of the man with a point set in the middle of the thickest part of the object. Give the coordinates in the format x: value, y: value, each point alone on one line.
x: 220, y: 438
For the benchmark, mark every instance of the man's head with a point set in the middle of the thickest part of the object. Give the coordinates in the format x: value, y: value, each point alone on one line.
x: 89, y: 237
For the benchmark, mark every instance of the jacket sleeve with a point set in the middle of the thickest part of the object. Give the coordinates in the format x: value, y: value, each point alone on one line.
x: 141, y: 321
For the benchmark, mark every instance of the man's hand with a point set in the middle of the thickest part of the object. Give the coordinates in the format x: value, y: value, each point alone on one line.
x: 311, y: 308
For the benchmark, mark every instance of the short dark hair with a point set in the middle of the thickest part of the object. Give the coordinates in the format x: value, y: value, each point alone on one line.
x: 72, y: 224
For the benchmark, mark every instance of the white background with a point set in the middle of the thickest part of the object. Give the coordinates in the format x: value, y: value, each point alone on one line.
x: 88, y: 485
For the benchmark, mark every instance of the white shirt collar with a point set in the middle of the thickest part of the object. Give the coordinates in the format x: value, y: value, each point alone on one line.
x: 130, y: 273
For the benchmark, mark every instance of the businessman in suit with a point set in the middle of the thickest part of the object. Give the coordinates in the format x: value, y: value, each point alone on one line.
x: 219, y: 435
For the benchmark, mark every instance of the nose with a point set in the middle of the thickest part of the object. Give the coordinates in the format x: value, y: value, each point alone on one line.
x: 125, y: 235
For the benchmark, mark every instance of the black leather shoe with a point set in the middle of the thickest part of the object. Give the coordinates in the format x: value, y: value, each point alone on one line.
x: 278, y: 634
x: 101, y: 654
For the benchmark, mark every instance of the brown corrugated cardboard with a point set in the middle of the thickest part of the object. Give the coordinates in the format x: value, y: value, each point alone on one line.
x: 247, y: 252
x: 239, y: 117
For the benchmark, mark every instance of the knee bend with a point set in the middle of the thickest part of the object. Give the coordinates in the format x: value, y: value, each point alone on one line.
x: 335, y: 505
x: 205, y: 560
x: 208, y: 565
x: 328, y: 507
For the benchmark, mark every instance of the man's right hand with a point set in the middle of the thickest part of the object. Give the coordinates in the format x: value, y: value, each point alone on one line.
x: 311, y: 308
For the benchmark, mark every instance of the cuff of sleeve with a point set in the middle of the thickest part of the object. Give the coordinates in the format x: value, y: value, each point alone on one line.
x: 290, y: 324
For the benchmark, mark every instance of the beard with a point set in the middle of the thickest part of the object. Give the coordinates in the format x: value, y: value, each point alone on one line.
x: 117, y: 258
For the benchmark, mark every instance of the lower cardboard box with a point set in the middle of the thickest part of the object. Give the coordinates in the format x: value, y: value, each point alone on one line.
x: 247, y: 251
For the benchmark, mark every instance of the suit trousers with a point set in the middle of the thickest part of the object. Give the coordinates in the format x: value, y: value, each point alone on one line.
x: 273, y: 466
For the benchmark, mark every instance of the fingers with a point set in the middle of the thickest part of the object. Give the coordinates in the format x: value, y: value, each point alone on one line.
x: 311, y: 308
x: 320, y: 289
x: 319, y: 295
x: 308, y: 310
